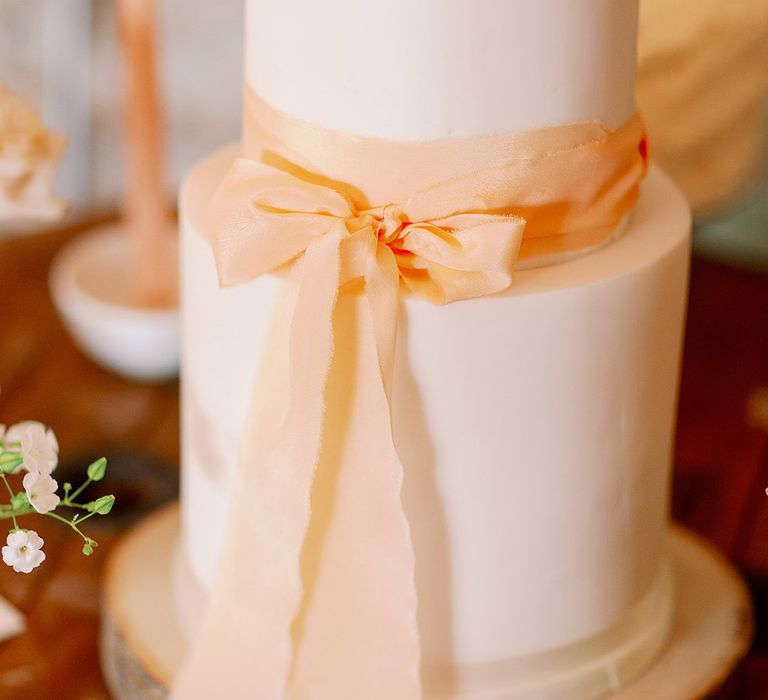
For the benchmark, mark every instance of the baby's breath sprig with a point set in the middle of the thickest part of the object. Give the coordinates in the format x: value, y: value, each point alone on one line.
x: 32, y: 449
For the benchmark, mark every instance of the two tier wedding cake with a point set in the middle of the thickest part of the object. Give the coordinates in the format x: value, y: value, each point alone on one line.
x: 435, y: 222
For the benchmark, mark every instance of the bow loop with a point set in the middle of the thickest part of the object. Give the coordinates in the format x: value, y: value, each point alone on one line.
x: 460, y: 257
x: 265, y: 218
x: 280, y: 192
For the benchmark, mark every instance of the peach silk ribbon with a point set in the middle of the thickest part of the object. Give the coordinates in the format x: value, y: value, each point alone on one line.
x: 315, y: 596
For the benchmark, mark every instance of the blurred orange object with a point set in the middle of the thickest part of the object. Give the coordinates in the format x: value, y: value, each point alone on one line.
x: 29, y: 155
x: 145, y: 198
x: 702, y: 86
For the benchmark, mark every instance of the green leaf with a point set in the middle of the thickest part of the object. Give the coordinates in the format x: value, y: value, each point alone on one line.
x: 9, y: 461
x: 102, y: 505
x: 98, y: 469
x: 19, y: 501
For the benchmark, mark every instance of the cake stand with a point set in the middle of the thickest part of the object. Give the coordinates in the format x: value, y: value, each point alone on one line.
x: 143, y: 644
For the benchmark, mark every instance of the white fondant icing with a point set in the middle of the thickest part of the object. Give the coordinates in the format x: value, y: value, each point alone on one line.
x: 535, y: 429
x: 435, y: 69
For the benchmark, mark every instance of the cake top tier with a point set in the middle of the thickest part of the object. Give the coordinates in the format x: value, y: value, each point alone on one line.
x: 436, y: 69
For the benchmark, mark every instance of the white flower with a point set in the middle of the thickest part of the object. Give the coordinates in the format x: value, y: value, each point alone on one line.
x: 39, y: 447
x: 24, y: 551
x: 41, y: 491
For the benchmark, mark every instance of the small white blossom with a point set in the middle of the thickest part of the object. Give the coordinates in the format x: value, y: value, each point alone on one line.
x: 38, y: 445
x: 41, y: 491
x: 24, y: 551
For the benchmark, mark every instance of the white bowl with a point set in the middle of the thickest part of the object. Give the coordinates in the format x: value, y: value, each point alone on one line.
x: 134, y: 342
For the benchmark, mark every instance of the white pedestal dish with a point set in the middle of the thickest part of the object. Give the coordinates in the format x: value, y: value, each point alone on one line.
x: 88, y: 280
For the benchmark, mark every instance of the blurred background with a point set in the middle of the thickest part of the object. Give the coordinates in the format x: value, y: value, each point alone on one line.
x: 63, y: 56
x: 703, y: 88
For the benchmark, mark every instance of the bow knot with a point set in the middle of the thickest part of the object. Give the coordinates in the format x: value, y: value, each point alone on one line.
x: 387, y: 224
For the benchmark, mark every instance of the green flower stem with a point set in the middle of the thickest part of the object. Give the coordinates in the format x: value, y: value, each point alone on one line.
x: 76, y: 493
x: 8, y: 511
x: 69, y: 504
x: 71, y: 524
x: 10, y: 492
x: 85, y: 517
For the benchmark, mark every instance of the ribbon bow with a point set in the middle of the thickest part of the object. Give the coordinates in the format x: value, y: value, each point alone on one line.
x: 268, y: 217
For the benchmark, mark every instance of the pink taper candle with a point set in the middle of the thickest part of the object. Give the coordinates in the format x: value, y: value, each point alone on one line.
x: 146, y: 212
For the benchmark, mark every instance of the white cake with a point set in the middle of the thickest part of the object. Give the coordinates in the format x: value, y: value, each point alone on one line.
x: 536, y: 478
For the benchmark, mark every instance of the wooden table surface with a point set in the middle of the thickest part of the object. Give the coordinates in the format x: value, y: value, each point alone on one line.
x: 720, y: 476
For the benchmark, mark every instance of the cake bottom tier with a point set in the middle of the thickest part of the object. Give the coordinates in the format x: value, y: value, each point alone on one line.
x: 535, y: 430
x: 584, y: 670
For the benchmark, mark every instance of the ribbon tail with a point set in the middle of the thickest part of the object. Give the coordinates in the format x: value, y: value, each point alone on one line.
x: 382, y: 282
x: 244, y: 648
x: 359, y: 636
